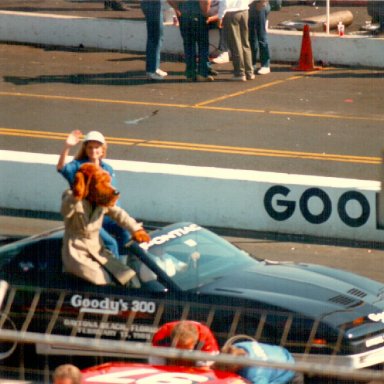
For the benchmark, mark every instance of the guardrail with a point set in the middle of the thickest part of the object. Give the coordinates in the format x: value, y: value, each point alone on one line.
x: 324, y: 370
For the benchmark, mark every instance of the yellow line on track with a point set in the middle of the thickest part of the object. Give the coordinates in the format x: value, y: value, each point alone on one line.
x: 92, y: 100
x: 183, y: 146
x: 201, y: 106
x: 240, y: 93
x: 291, y: 113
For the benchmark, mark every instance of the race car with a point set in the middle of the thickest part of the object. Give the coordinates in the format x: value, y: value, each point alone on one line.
x: 189, y: 272
x: 118, y: 373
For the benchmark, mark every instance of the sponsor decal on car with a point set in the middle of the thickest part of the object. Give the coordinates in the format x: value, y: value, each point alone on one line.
x: 178, y: 232
x: 111, y: 307
x: 376, y: 317
x: 111, y: 329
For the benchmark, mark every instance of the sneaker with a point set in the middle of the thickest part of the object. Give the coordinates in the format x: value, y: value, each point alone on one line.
x: 264, y: 71
x: 251, y: 77
x: 161, y: 72
x: 255, y: 68
x: 222, y: 58
x: 201, y: 79
x: 238, y: 78
x: 154, y: 76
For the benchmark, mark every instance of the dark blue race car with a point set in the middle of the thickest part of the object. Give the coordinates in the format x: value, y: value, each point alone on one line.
x: 188, y: 272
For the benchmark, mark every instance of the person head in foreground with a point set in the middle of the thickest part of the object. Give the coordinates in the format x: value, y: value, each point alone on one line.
x: 257, y: 374
x: 185, y: 334
x: 66, y: 374
x: 93, y: 148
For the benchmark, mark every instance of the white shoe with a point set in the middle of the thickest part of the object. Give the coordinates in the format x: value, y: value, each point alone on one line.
x: 264, y: 71
x: 161, y: 72
x: 222, y: 58
x: 154, y: 76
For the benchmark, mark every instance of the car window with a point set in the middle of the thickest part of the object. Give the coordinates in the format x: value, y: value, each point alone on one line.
x: 194, y: 257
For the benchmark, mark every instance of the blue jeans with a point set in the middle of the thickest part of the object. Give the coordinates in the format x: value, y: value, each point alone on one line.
x: 258, y: 37
x: 115, y: 238
x: 155, y: 30
x: 223, y: 47
x: 194, y: 31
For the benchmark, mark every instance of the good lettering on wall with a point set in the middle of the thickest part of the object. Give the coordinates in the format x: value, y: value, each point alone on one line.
x: 280, y: 207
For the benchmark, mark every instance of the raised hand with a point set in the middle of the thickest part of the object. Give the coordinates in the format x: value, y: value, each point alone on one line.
x: 73, y: 138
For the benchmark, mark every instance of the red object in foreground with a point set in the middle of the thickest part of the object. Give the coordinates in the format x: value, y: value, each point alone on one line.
x: 206, y: 342
x: 127, y: 373
x: 306, y: 62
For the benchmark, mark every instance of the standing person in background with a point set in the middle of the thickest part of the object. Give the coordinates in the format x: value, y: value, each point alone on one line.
x: 66, y: 374
x: 258, y: 37
x: 93, y: 150
x: 223, y: 56
x: 194, y: 29
x: 375, y: 9
x: 233, y: 17
x: 155, y: 30
x: 223, y: 51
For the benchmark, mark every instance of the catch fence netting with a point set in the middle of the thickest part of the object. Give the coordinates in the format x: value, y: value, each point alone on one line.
x: 86, y: 329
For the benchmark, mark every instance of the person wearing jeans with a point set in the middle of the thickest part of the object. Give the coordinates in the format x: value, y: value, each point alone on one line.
x: 194, y: 31
x: 258, y: 38
x: 154, y: 21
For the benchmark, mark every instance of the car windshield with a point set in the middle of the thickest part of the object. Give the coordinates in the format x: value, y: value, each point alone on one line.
x: 192, y: 256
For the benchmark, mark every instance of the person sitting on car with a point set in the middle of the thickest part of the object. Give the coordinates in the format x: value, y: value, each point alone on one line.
x: 258, y: 374
x: 83, y: 208
x: 184, y: 334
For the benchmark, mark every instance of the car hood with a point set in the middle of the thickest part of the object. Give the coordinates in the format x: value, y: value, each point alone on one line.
x: 311, y: 290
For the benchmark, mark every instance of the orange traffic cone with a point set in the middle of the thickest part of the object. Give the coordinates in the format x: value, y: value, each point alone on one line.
x: 306, y: 57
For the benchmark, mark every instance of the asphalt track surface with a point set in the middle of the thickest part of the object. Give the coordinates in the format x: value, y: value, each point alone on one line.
x: 325, y: 122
